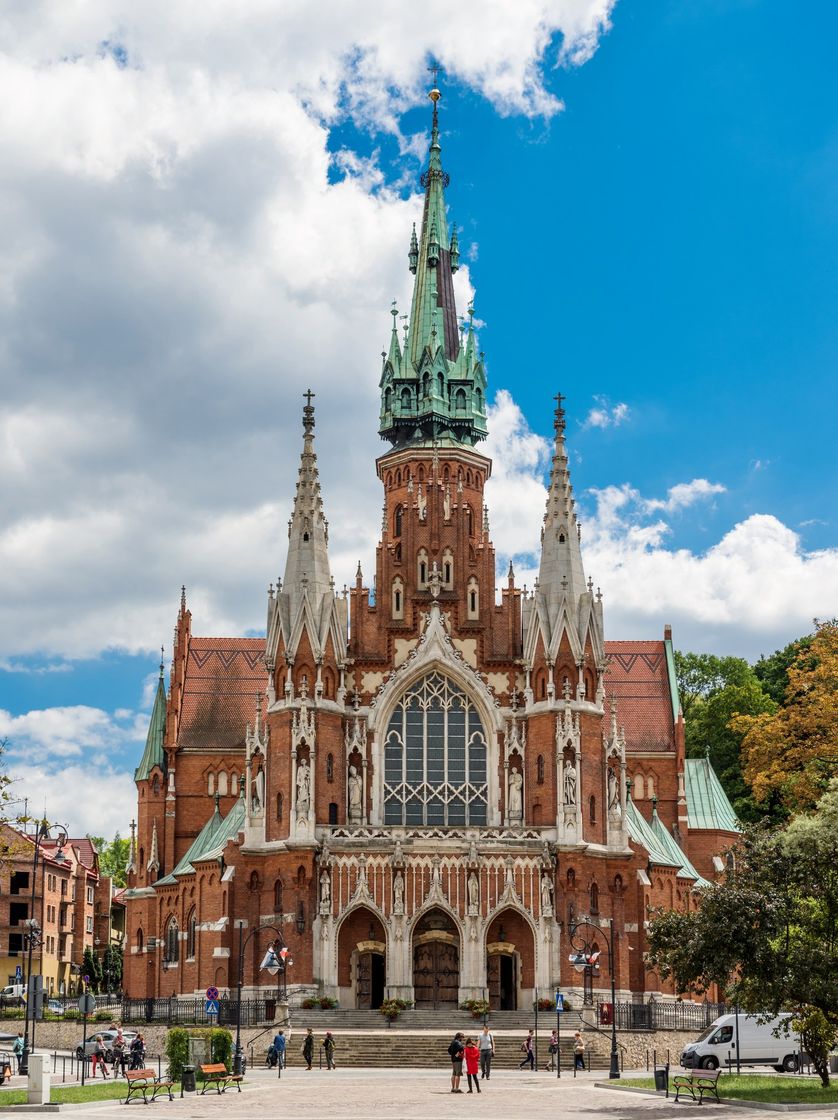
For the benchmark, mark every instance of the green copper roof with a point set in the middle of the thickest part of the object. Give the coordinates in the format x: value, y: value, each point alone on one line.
x: 673, y: 679
x: 671, y: 846
x: 154, y: 755
x: 433, y: 384
x: 211, y: 840
x: 707, y: 803
x: 641, y: 832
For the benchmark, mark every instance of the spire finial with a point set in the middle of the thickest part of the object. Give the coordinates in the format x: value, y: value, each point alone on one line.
x: 183, y: 598
x: 162, y: 658
x: 308, y: 412
x: 560, y: 423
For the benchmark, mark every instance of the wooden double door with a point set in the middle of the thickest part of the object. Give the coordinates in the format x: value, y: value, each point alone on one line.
x: 502, y: 981
x: 436, y: 974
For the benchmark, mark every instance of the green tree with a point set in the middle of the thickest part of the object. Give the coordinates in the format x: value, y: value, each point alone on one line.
x: 112, y: 968
x: 113, y: 857
x: 91, y: 966
x: 768, y: 933
x: 772, y: 671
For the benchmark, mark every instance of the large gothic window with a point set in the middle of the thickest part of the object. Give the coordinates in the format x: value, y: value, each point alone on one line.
x: 435, y: 769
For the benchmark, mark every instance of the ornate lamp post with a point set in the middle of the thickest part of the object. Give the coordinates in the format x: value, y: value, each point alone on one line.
x: 33, y: 935
x: 584, y: 958
x: 272, y: 962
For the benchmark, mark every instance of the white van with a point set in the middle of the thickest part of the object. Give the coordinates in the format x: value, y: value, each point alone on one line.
x: 12, y: 993
x: 758, y: 1045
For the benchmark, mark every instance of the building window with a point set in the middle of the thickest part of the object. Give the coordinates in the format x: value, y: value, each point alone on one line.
x: 222, y: 783
x: 435, y: 767
x: 639, y: 788
x: 422, y: 570
x: 448, y: 569
x: 539, y: 770
x: 155, y: 785
x: 397, y: 522
x: 254, y: 881
x: 592, y: 810
x: 191, y: 934
x: 460, y: 400
x: 594, y: 898
x: 333, y: 812
x: 279, y: 806
x: 473, y: 599
x: 278, y: 896
x: 330, y: 767
x: 398, y: 598
x: 650, y: 787
x: 172, y: 941
x: 90, y: 895
x: 571, y: 879
x: 210, y: 783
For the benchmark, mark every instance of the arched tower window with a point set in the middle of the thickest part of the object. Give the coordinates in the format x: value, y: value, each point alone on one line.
x: 222, y: 783
x: 140, y: 940
x: 539, y: 770
x: 422, y: 569
x: 254, y: 881
x: 278, y: 896
x: 397, y: 522
x: 191, y: 934
x: 440, y: 384
x: 639, y: 789
x: 330, y: 767
x: 388, y: 399
x: 469, y: 520
x: 594, y: 898
x: 478, y: 400
x: 460, y: 400
x: 172, y: 941
x: 398, y: 598
x: 447, y: 569
x: 210, y: 783
x: 650, y: 787
x: 473, y: 599
x: 405, y: 397
x: 426, y: 385
x: 435, y: 765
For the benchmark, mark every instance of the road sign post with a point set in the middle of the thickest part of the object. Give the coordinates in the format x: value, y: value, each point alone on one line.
x: 87, y: 1005
x: 559, y: 1010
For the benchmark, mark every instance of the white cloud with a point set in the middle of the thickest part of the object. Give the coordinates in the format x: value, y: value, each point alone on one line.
x: 606, y: 415
x: 68, y: 796
x: 178, y: 265
x: 685, y: 494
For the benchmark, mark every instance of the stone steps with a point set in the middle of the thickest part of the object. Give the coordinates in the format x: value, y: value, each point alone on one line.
x: 455, y: 1018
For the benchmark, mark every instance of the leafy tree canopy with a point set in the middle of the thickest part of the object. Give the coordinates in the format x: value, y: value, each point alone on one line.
x: 113, y: 857
x: 772, y: 671
x: 767, y: 934
x: 792, y: 752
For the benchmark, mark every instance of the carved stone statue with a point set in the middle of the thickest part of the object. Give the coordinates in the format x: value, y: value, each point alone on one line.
x: 303, y: 790
x: 546, y: 894
x: 356, y: 795
x: 473, y: 893
x: 516, y: 795
x: 325, y: 890
x: 257, y: 802
x: 446, y: 503
x: 613, y: 792
x: 570, y: 784
x: 398, y: 893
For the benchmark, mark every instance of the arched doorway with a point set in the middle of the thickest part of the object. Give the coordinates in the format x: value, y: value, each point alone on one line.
x: 362, y: 949
x: 510, y: 961
x: 436, y: 961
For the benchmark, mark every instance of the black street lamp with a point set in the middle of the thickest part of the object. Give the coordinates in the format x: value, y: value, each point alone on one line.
x: 584, y: 958
x: 273, y: 962
x: 33, y: 937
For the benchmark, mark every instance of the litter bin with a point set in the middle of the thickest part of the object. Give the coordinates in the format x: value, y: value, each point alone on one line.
x: 187, y: 1079
x: 662, y: 1079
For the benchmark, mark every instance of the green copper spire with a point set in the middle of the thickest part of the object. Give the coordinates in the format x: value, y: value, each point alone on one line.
x: 154, y: 755
x: 432, y: 389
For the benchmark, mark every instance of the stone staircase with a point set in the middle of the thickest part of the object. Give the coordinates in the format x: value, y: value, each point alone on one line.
x: 396, y: 1049
x: 412, y: 1020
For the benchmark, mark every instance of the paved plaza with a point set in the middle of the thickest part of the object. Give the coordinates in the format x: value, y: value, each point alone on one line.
x: 420, y: 1094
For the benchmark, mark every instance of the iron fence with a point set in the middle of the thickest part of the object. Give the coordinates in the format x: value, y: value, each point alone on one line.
x: 660, y: 1015
x: 182, y: 1012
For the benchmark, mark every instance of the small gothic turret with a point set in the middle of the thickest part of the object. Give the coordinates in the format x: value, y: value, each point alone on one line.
x: 454, y: 250
x: 413, y: 255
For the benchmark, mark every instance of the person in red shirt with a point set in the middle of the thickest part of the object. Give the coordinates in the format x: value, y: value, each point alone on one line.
x: 472, y: 1057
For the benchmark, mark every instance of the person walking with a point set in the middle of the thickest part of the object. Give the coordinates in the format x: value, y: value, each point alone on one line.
x: 486, y: 1047
x: 329, y: 1050
x: 307, y: 1048
x: 471, y: 1055
x: 529, y: 1053
x: 99, y: 1058
x: 279, y: 1048
x: 553, y: 1049
x: 578, y: 1051
x: 17, y: 1048
x: 455, y: 1052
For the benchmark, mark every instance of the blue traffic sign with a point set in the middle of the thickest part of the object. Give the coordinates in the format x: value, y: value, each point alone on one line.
x: 559, y: 1003
x: 212, y: 992
x: 212, y: 1007
x: 18, y: 972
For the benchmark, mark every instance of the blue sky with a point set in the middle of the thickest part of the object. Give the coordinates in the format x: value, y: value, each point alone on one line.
x: 187, y: 253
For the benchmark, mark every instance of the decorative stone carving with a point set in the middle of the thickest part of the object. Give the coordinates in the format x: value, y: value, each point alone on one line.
x: 473, y: 893
x: 258, y: 798
x: 546, y: 896
x: 356, y: 795
x: 398, y: 893
x: 325, y: 892
x: 303, y: 790
x: 570, y: 790
x: 516, y: 795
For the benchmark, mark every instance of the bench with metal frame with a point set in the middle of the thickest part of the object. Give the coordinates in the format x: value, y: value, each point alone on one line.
x: 699, y: 1081
x: 219, y: 1077
x: 142, y: 1082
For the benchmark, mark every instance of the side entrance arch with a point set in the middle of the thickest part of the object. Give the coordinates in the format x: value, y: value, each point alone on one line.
x: 510, y: 961
x: 362, y: 950
x: 436, y: 961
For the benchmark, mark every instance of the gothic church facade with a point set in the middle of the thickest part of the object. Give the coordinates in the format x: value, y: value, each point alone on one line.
x: 422, y: 788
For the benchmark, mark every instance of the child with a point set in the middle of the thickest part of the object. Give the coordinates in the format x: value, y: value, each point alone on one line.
x: 472, y: 1057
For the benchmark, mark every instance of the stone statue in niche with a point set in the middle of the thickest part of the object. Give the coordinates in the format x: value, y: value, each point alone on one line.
x: 303, y: 790
x: 398, y: 893
x: 570, y: 784
x: 613, y: 789
x: 325, y: 892
x: 473, y: 893
x: 516, y: 795
x: 546, y: 895
x: 257, y: 801
x: 446, y: 503
x: 356, y: 795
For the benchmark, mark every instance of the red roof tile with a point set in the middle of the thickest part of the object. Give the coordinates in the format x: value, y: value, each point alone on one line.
x: 637, y: 677
x: 223, y: 676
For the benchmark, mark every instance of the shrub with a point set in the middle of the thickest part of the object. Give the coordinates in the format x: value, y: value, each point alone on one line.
x: 309, y: 1002
x: 177, y: 1051
x: 392, y: 1008
x: 221, y: 1046
x: 328, y: 1002
x: 477, y: 1007
x: 547, y: 1004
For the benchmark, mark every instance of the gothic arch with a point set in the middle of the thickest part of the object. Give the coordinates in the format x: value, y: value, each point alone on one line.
x: 436, y: 902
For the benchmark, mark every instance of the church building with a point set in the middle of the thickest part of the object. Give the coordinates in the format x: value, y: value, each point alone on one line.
x: 424, y: 785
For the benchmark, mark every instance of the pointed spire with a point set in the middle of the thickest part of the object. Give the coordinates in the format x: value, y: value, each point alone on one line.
x: 183, y: 600
x: 454, y: 250
x: 561, y: 571
x: 154, y: 753
x: 307, y: 565
x: 395, y: 355
x: 154, y: 857
x: 413, y: 255
x: 132, y: 847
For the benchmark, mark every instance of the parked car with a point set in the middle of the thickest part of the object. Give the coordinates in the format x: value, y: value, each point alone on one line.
x: 758, y: 1045
x: 55, y: 1006
x: 107, y: 1038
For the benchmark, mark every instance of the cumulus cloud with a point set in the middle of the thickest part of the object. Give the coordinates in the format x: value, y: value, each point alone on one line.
x: 182, y: 256
x: 605, y: 415
x: 68, y: 799
x: 685, y: 494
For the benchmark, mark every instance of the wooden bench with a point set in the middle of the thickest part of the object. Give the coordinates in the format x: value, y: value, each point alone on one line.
x: 142, y: 1082
x: 219, y: 1077
x: 699, y: 1081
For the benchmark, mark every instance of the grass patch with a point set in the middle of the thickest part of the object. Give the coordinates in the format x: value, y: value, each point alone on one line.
x: 76, y: 1094
x: 757, y: 1087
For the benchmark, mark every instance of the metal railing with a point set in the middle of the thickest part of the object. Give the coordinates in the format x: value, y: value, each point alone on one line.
x: 660, y: 1015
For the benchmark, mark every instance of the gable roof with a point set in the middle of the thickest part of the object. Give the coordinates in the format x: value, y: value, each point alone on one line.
x: 640, y: 831
x: 222, y: 678
x: 670, y: 845
x: 638, y: 678
x: 708, y: 806
x: 210, y: 841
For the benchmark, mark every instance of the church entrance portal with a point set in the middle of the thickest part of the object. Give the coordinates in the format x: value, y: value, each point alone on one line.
x: 436, y: 962
x: 369, y: 986
x: 501, y: 975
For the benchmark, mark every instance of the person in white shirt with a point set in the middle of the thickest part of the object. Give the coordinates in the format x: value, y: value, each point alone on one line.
x: 486, y: 1046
